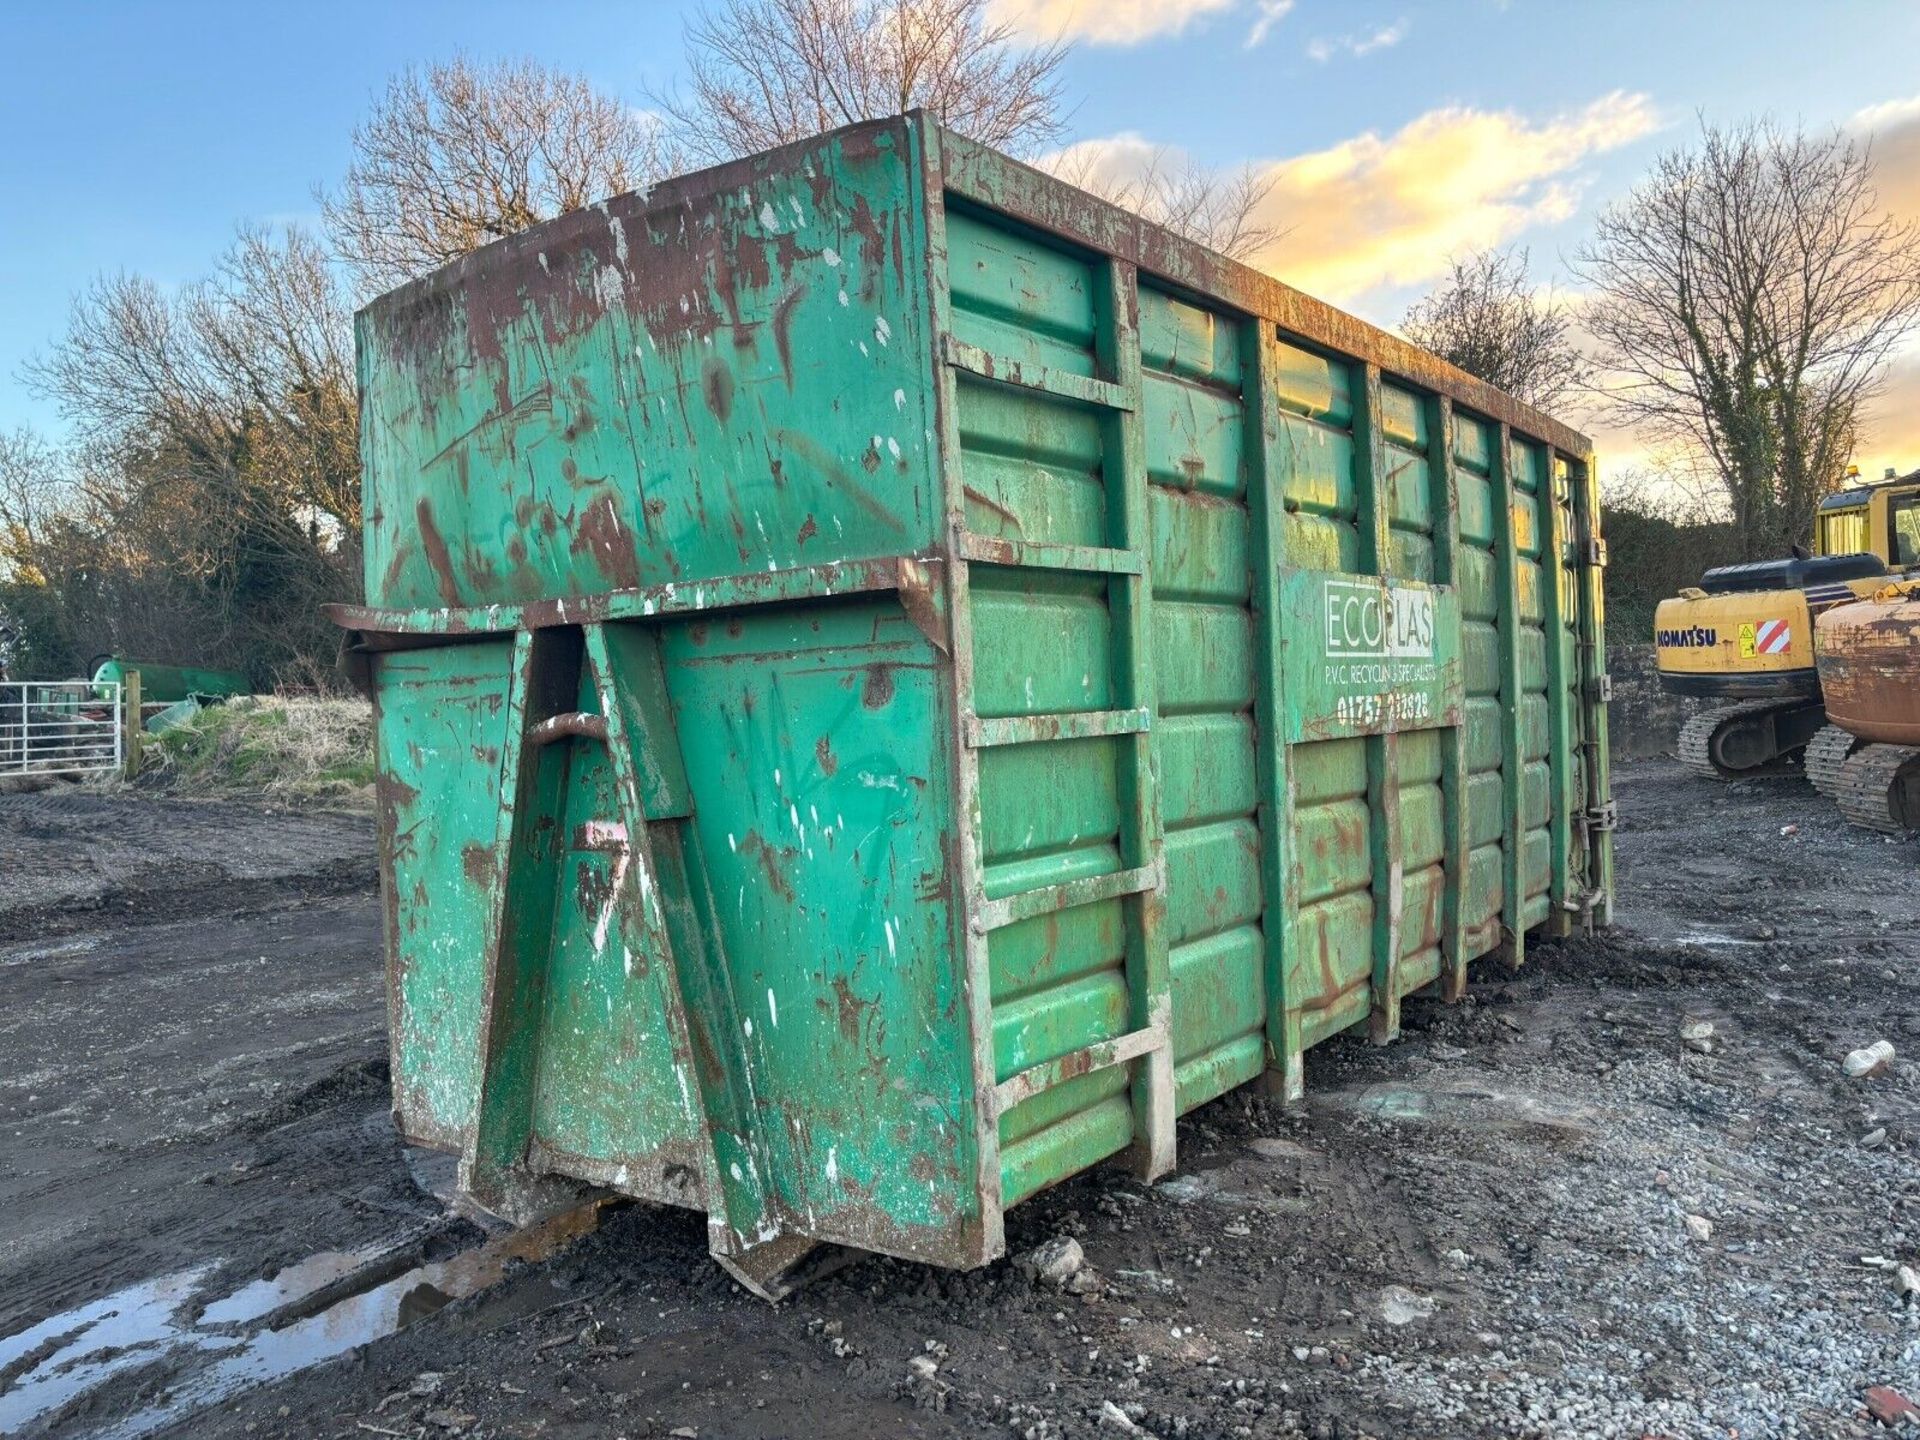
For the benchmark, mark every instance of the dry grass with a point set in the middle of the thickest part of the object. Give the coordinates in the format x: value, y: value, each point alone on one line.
x: 297, y: 750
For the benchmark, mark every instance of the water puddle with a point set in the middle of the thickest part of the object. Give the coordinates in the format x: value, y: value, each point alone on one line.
x: 309, y: 1312
x: 20, y: 955
x: 1463, y: 1102
x: 1238, y: 1185
x: 1711, y: 938
x: 296, y: 1282
x: 71, y: 1353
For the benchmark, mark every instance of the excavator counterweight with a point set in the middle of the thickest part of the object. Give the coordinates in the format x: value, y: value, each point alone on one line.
x: 1869, y: 663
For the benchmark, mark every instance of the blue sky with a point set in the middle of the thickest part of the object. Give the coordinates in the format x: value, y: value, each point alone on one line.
x: 139, y: 134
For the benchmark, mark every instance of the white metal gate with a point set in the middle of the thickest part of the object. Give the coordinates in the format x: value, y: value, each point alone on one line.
x: 61, y: 727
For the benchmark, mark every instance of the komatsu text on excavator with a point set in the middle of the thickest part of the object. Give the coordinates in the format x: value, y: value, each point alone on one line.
x: 1745, y: 634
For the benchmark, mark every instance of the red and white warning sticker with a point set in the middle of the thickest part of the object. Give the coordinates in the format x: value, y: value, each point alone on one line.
x: 1772, y: 637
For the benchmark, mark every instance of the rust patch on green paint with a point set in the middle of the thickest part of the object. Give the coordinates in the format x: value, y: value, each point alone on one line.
x: 716, y: 385
x: 476, y: 862
x: 600, y: 537
x: 769, y: 860
x: 438, y: 557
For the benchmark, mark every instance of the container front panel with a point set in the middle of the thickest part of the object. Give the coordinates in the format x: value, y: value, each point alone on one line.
x: 529, y: 916
x: 795, y: 822
x: 442, y: 723
x: 633, y: 396
x: 810, y: 737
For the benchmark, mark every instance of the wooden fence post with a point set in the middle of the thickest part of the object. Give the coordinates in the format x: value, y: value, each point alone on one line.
x: 131, y: 731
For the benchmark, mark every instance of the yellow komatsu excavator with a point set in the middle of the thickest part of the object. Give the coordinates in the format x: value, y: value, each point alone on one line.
x: 1745, y: 635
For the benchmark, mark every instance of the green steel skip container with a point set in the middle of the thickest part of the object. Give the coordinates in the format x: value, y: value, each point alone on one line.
x: 896, y: 679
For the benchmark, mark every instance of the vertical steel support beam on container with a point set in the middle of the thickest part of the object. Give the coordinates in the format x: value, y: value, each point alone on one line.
x: 643, y: 921
x: 1130, y: 601
x: 1591, y: 546
x: 1445, y: 507
x: 1553, y: 581
x: 970, y: 940
x: 1373, y: 485
x: 1512, y: 767
x: 518, y: 932
x: 1266, y: 505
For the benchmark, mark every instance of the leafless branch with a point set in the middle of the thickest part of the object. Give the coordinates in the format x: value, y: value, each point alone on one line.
x: 214, y: 499
x: 1486, y: 318
x: 766, y: 72
x: 1221, y: 209
x: 457, y: 155
x: 1751, y: 291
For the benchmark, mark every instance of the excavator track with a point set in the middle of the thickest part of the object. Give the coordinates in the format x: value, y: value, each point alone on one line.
x: 1880, y: 788
x: 1825, y: 756
x: 1754, y: 737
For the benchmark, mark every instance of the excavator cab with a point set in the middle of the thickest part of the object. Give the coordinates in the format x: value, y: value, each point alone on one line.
x: 1746, y: 633
x: 1880, y: 519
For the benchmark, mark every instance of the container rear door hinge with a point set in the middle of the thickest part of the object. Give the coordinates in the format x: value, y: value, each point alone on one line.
x: 1591, y: 553
x: 1600, y: 688
x: 1603, y: 817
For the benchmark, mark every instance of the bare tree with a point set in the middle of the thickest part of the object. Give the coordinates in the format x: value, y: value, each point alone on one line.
x: 1486, y: 318
x: 32, y: 490
x: 36, y: 496
x: 275, y: 331
x: 457, y: 155
x: 216, y: 496
x: 765, y: 72
x: 256, y: 359
x: 1749, y: 294
x: 1220, y: 209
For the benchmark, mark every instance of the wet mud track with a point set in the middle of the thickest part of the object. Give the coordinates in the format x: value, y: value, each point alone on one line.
x: 1481, y: 1230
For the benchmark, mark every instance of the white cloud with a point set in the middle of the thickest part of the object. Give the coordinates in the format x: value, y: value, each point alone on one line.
x: 1321, y: 49
x: 1385, y: 36
x: 1887, y: 114
x: 1272, y: 12
x: 1106, y: 163
x: 1894, y: 131
x: 1103, y: 22
x: 1378, y: 211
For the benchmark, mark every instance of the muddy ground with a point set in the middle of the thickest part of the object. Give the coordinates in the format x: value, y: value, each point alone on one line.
x: 1482, y: 1230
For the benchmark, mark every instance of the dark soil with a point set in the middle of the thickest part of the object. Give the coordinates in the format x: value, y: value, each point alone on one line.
x: 74, y: 860
x: 1480, y: 1230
